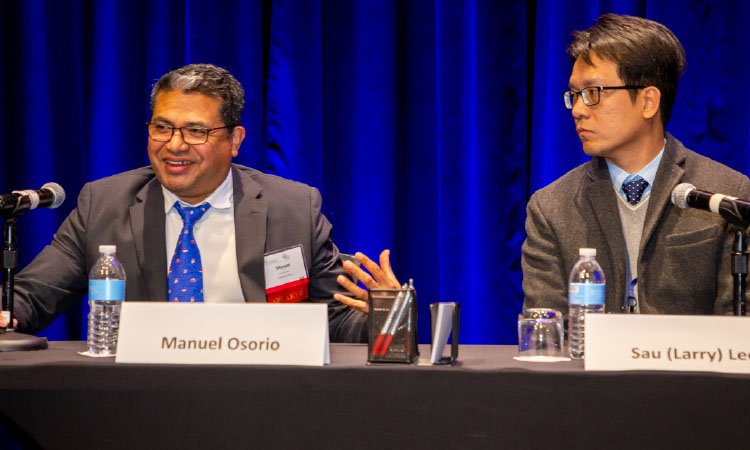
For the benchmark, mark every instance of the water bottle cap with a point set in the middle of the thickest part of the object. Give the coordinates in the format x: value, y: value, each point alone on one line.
x: 108, y: 249
x: 587, y: 252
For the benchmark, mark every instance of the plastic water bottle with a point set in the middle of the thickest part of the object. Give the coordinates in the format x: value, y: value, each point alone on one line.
x: 106, y: 293
x: 585, y: 295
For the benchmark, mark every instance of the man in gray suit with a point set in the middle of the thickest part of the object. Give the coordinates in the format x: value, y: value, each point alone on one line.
x: 193, y: 134
x: 656, y: 257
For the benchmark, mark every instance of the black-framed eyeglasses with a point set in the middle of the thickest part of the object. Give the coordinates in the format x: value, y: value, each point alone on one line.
x: 161, y: 132
x: 591, y: 95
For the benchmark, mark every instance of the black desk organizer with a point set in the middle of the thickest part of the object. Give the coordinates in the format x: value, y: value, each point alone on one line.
x: 392, y: 325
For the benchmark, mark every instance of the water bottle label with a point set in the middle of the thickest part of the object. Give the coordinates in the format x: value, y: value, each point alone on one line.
x: 106, y: 290
x: 586, y: 294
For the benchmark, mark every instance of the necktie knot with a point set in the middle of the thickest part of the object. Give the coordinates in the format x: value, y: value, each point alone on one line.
x: 634, y: 189
x: 191, y: 214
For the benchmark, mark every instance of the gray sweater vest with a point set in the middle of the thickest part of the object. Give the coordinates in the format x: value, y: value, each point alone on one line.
x: 632, y: 219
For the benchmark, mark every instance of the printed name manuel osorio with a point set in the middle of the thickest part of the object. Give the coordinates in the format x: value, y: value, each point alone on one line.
x: 233, y: 343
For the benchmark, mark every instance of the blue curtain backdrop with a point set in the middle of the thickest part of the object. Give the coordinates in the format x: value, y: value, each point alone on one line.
x: 425, y: 124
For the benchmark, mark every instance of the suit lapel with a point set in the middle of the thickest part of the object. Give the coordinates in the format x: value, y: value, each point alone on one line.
x: 603, y: 202
x: 250, y: 218
x: 668, y: 175
x: 147, y: 220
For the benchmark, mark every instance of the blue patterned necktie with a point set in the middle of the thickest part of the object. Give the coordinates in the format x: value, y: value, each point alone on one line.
x: 186, y: 269
x: 634, y: 189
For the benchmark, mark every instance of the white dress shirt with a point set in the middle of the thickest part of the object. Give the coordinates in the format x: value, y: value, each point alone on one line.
x: 214, y: 236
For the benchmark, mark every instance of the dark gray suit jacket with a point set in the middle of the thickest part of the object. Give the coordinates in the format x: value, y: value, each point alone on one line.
x: 684, y: 257
x: 127, y: 210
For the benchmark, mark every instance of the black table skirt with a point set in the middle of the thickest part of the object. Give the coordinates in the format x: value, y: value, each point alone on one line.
x: 57, y: 399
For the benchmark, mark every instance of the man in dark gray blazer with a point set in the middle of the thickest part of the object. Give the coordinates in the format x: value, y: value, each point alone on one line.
x: 656, y: 257
x: 193, y: 135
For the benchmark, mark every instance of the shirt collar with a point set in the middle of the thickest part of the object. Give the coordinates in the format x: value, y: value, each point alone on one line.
x: 648, y: 173
x: 221, y: 198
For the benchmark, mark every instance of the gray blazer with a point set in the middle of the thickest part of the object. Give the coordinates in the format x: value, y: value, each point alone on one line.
x: 127, y: 210
x: 684, y: 262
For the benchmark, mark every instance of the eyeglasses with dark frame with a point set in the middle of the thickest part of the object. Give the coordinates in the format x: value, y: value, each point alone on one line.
x: 591, y: 95
x: 161, y: 132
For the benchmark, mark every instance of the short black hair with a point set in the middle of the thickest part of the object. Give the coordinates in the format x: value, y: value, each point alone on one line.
x: 646, y: 53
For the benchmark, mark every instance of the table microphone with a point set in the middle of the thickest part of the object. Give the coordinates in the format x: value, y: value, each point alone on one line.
x: 51, y: 195
x: 731, y: 208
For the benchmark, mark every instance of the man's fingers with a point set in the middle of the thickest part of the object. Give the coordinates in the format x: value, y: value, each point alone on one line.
x: 382, y: 277
x: 356, y: 304
x: 347, y: 284
x: 360, y: 274
x: 385, y: 265
x: 371, y: 266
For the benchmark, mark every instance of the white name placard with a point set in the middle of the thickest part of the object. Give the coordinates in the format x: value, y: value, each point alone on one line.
x: 662, y: 342
x: 200, y: 333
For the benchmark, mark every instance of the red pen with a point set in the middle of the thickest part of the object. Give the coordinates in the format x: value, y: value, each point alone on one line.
x: 387, y: 326
x: 395, y: 323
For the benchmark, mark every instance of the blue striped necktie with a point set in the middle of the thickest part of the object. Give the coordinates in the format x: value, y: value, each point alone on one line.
x: 186, y: 269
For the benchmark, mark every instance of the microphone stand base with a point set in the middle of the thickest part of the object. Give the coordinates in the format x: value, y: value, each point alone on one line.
x: 12, y: 341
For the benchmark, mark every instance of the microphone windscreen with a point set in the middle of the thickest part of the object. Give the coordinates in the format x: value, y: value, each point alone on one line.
x: 680, y: 193
x: 57, y: 191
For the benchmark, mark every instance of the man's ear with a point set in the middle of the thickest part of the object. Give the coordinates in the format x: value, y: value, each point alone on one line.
x: 238, y: 134
x: 651, y: 101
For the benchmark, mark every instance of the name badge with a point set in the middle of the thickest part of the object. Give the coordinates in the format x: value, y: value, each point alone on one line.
x: 286, y: 275
x: 223, y: 333
x: 663, y: 342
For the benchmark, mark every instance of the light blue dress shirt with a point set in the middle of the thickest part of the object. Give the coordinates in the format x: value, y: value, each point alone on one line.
x: 648, y: 173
